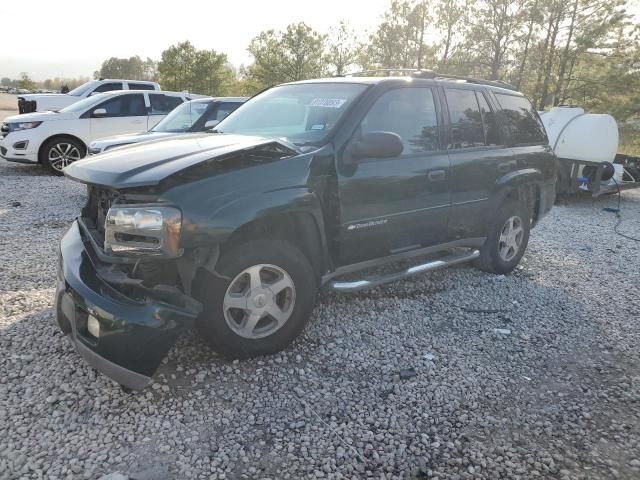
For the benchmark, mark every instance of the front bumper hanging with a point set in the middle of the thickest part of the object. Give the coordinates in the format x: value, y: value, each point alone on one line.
x: 124, y: 338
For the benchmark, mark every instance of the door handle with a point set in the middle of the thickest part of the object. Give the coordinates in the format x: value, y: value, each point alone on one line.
x: 437, y: 176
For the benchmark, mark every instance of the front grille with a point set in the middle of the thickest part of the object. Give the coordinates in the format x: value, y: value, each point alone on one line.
x: 26, y: 106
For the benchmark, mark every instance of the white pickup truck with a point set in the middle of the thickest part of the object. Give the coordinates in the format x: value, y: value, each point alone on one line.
x: 42, y: 102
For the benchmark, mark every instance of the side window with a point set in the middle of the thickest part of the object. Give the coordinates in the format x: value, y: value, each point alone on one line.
x: 115, y: 107
x: 108, y: 87
x: 135, y: 105
x: 466, y: 120
x: 408, y: 112
x: 163, y: 104
x: 141, y: 86
x: 224, y: 110
x: 524, y: 123
x: 491, y: 132
x: 124, y: 106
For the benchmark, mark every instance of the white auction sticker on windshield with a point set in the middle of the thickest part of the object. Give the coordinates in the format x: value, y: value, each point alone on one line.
x: 327, y: 102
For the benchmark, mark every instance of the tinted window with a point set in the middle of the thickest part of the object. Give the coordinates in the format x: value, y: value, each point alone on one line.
x: 108, y: 87
x: 222, y: 112
x: 163, y: 104
x: 124, y: 106
x: 409, y: 112
x: 523, y: 121
x: 466, y: 120
x: 491, y: 132
x: 141, y: 86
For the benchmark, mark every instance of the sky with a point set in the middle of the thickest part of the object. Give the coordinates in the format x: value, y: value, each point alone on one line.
x: 71, y: 38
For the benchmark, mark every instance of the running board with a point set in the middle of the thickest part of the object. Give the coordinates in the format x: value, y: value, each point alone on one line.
x: 446, y: 261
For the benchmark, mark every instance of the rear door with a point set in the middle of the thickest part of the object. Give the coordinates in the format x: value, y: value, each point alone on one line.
x: 478, y: 152
x: 390, y: 205
x: 126, y: 113
x: 160, y: 105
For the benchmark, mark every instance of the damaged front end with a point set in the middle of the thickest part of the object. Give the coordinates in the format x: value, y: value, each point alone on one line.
x: 120, y: 293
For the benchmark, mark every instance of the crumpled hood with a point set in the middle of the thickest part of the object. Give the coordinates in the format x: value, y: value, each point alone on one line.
x: 40, y: 117
x: 149, y: 163
x: 129, y: 138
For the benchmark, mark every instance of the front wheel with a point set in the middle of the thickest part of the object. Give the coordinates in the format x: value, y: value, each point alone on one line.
x: 260, y: 300
x: 57, y: 153
x: 507, y: 240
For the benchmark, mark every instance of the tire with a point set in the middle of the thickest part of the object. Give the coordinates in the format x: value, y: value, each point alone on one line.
x: 495, y: 257
x: 56, y: 153
x: 228, y: 330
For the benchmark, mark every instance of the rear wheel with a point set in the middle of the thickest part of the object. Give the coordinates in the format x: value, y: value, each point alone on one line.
x: 260, y: 301
x: 59, y: 152
x: 507, y: 240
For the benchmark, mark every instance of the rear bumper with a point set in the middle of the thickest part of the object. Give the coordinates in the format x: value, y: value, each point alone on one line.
x: 134, y: 335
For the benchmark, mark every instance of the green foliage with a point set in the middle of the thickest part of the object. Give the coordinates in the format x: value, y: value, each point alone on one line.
x: 184, y: 68
x: 295, y: 54
x: 133, y: 68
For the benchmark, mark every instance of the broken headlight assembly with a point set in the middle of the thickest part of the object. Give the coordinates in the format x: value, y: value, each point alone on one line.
x: 143, y: 231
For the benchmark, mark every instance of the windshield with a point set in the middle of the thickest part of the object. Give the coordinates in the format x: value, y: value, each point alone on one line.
x: 85, y: 103
x: 182, y: 118
x: 303, y: 114
x: 79, y: 91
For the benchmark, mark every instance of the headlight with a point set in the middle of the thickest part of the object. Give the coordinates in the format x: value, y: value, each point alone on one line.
x: 150, y: 230
x: 15, y: 127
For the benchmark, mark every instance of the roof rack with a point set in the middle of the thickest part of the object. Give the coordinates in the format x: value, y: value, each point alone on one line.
x: 431, y: 74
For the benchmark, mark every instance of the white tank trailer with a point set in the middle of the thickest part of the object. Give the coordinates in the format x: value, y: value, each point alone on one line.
x: 586, y: 145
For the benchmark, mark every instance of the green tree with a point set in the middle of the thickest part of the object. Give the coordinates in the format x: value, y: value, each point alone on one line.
x: 133, y: 68
x: 206, y: 72
x: 295, y: 54
x: 342, y: 49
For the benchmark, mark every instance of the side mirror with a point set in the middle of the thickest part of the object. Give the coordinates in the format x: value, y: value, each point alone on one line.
x: 210, y: 124
x: 378, y: 145
x: 99, y: 112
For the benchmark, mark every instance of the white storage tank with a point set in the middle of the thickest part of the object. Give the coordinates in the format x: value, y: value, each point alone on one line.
x: 576, y: 135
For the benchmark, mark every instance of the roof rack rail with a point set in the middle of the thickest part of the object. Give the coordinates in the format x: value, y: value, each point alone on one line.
x: 422, y: 73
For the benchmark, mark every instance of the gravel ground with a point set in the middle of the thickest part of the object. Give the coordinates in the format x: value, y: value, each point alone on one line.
x: 408, y: 381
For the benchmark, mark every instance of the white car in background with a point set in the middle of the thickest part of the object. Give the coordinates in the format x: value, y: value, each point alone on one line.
x: 43, y: 102
x: 199, y: 115
x: 56, y: 139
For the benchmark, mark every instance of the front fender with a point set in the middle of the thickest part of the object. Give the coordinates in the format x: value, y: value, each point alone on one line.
x: 221, y: 222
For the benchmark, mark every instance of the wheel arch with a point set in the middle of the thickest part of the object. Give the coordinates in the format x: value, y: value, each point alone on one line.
x: 521, y: 185
x: 59, y: 135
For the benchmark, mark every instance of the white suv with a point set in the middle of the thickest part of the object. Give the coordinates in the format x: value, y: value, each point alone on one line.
x: 55, y: 101
x: 56, y: 139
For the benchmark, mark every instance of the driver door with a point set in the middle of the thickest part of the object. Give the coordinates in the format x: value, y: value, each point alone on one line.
x: 124, y: 114
x: 391, y: 205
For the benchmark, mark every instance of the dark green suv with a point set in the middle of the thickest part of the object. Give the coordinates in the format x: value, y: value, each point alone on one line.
x: 236, y: 230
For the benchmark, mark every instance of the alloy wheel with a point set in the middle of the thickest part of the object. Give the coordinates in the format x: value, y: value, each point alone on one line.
x: 511, y: 237
x: 259, y: 301
x: 63, y: 154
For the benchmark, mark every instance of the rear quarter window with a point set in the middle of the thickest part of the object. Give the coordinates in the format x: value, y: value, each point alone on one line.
x: 522, y: 120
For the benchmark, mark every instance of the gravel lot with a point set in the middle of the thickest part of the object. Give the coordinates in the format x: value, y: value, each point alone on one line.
x: 558, y: 396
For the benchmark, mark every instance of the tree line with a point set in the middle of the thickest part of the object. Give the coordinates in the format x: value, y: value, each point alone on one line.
x: 584, y: 52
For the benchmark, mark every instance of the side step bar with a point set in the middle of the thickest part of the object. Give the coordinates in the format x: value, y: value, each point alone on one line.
x: 446, y: 261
